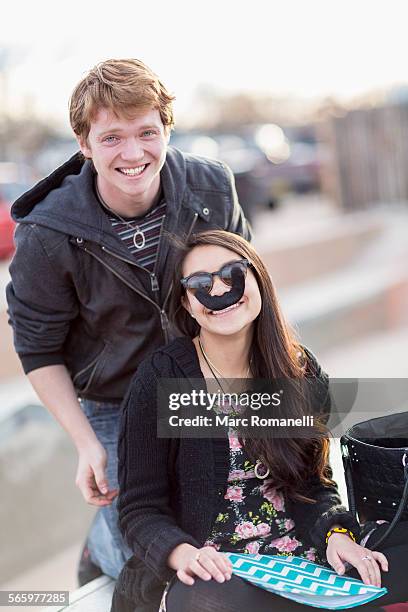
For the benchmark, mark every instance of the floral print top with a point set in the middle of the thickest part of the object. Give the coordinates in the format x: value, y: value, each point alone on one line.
x: 252, y: 517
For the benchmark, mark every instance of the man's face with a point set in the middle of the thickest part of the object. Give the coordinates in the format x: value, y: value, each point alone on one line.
x: 128, y: 155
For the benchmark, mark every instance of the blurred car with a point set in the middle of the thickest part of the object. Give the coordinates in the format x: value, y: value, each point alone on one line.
x: 266, y: 164
x: 7, y: 226
x: 295, y: 155
x: 247, y: 161
x: 10, y: 189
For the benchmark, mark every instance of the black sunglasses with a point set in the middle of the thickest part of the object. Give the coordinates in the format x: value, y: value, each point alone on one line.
x: 205, y: 280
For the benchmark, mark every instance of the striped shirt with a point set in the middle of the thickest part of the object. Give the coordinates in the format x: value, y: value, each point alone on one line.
x: 130, y: 231
x: 150, y: 225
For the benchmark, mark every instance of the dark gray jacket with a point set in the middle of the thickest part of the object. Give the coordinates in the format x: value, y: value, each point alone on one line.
x: 77, y: 297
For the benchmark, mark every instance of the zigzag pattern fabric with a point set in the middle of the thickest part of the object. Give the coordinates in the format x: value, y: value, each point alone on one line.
x: 303, y: 581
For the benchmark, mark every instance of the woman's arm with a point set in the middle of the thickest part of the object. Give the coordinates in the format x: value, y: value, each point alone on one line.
x: 314, y: 520
x: 319, y: 381
x: 145, y: 515
x: 327, y: 512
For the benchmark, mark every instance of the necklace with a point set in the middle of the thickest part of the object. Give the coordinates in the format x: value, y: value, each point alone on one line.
x: 214, y: 371
x: 212, y: 366
x: 138, y: 239
x: 260, y: 470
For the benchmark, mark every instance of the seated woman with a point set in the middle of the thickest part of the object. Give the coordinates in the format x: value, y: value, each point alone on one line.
x: 184, y: 501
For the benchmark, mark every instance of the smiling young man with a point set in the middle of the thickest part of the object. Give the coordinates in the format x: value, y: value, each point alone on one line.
x: 128, y: 155
x: 91, y: 277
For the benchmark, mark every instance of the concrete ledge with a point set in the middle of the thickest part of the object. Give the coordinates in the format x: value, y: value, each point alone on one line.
x: 96, y: 596
x: 334, y: 315
x: 313, y: 255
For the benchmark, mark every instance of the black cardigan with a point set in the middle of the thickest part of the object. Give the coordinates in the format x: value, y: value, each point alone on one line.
x: 170, y: 489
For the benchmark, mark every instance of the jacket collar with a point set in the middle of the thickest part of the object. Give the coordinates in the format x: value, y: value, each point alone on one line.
x: 65, y: 200
x: 175, y: 185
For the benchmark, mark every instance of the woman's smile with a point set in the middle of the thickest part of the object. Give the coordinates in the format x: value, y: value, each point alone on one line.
x: 225, y: 311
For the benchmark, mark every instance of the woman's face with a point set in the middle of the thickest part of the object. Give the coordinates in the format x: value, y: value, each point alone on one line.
x: 209, y: 258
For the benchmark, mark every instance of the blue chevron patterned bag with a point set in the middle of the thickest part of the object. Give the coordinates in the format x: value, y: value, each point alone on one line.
x: 303, y: 581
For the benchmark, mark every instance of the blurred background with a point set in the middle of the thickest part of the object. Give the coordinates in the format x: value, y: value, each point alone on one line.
x: 308, y: 104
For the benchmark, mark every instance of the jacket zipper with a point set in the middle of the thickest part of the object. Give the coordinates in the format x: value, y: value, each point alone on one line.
x: 164, y: 320
x: 188, y: 236
x: 153, y: 274
x: 153, y: 279
x: 163, y: 317
x: 89, y: 366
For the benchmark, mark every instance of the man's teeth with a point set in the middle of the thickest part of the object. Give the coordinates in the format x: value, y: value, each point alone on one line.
x: 132, y: 171
x: 216, y: 312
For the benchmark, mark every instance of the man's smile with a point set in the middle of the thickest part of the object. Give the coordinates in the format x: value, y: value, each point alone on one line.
x: 136, y: 171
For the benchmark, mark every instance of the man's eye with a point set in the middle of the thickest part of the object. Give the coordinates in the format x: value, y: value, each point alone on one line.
x: 110, y: 139
x: 149, y: 133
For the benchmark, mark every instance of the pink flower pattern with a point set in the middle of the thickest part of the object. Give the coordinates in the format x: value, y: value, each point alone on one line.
x: 236, y: 475
x: 240, y: 475
x: 311, y: 554
x: 285, y: 544
x: 263, y: 529
x: 234, y: 443
x: 234, y: 494
x: 252, y: 515
x: 252, y: 548
x: 273, y: 496
x: 246, y: 530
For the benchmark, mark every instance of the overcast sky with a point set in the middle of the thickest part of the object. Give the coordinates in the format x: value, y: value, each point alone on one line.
x: 308, y: 48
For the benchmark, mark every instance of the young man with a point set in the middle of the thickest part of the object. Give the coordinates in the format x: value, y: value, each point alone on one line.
x: 91, y: 276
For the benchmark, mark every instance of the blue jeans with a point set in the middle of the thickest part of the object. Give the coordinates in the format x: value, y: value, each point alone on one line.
x: 106, y: 545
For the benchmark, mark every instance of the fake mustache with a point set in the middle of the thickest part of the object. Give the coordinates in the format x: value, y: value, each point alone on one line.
x: 229, y: 298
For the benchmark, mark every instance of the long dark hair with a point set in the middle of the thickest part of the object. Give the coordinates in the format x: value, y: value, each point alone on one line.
x: 275, y: 354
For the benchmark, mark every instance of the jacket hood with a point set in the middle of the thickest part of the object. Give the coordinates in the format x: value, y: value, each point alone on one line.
x: 65, y: 200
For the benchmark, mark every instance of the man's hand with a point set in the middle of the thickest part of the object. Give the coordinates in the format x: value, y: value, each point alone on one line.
x: 54, y: 387
x: 90, y: 477
x: 341, y: 548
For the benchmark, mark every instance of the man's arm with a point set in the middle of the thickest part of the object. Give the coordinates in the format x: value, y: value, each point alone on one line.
x: 42, y: 303
x: 54, y: 387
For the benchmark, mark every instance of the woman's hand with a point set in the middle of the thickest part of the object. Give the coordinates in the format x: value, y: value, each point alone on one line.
x: 341, y: 548
x: 205, y: 563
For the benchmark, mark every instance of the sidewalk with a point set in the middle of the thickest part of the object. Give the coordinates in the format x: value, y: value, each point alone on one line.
x: 366, y: 294
x: 381, y: 355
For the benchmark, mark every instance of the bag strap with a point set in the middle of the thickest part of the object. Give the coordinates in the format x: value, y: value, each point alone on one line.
x: 351, y: 494
x: 348, y: 477
x: 401, y: 506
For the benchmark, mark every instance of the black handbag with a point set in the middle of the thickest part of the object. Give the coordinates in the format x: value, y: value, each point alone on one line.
x: 375, y: 460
